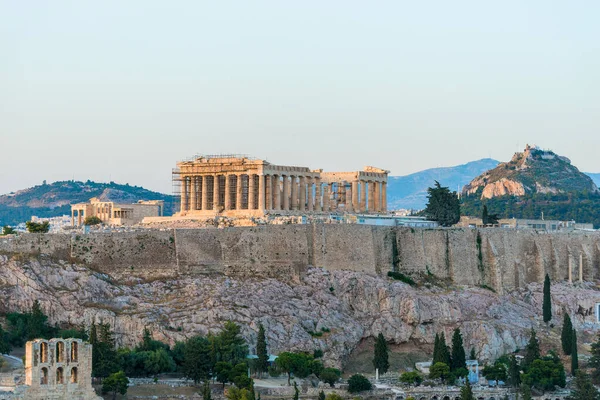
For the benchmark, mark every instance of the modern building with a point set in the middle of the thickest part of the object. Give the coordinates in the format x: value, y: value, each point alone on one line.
x: 234, y: 185
x: 112, y: 213
x: 536, y: 224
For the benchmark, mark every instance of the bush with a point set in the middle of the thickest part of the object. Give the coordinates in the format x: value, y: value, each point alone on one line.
x: 358, y: 383
x: 34, y: 227
x: 330, y: 375
x: 334, y: 396
x: 399, y: 276
x: 7, y: 230
x: 318, y: 353
x: 92, y: 220
x: 411, y: 378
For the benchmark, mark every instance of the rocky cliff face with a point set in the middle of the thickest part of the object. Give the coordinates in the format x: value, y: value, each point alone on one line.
x: 352, y: 305
x: 532, y: 171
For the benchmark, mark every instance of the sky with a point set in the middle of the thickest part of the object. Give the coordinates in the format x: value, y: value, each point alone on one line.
x: 122, y: 90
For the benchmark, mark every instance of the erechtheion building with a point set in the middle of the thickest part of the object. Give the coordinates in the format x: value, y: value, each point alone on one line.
x: 243, y: 186
x: 111, y: 213
x: 57, y: 369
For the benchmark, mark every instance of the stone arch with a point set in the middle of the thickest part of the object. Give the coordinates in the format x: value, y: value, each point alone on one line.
x: 60, y: 352
x: 60, y: 376
x: 44, y: 376
x: 434, y: 398
x: 446, y: 398
x: 44, y: 352
x: 74, y: 377
x: 74, y: 351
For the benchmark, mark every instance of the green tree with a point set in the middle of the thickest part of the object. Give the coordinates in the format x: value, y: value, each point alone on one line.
x: 299, y: 364
x: 566, y: 335
x: 235, y: 393
x: 574, y: 355
x: 196, y: 359
x: 443, y: 205
x: 544, y: 374
x: 583, y: 388
x: 472, y: 355
x: 411, y: 378
x: 547, y: 304
x: 458, y: 358
x: 223, y: 371
x: 526, y: 392
x: 358, y: 383
x: 286, y: 363
x: 439, y: 370
x: 466, y: 392
x: 115, y: 383
x: 261, y: 350
x: 436, y: 349
x: 488, y: 219
x: 159, y: 361
x: 442, y: 354
x: 334, y: 396
x: 380, y: 359
x: 7, y: 230
x: 35, y: 227
x: 532, y: 351
x: 36, y: 326
x: 321, y: 395
x: 206, y: 392
x: 232, y: 346
x: 330, y: 375
x: 106, y: 362
x: 514, y: 372
x: 595, y: 360
x: 92, y: 220
x: 495, y: 372
x: 5, y: 346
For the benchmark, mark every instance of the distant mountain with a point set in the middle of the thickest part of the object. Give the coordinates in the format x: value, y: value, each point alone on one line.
x: 532, y: 171
x: 595, y: 177
x: 51, y: 200
x: 410, y: 191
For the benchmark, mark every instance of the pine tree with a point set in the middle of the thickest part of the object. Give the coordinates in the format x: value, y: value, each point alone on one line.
x: 261, y: 350
x: 458, y: 351
x: 380, y: 360
x: 583, y: 388
x: 466, y: 392
x: 443, y: 205
x: 595, y: 360
x: 566, y: 335
x: 574, y: 355
x: 547, y: 304
x: 436, y: 350
x: 532, y: 351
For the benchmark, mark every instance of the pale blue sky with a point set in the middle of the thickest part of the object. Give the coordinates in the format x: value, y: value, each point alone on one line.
x: 123, y: 89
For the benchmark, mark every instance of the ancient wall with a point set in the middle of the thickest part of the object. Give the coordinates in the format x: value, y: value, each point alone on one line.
x: 498, y: 258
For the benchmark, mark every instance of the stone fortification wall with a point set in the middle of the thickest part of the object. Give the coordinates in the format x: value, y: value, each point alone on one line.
x: 501, y: 259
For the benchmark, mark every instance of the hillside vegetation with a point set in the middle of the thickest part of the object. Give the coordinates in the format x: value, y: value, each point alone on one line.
x: 51, y: 200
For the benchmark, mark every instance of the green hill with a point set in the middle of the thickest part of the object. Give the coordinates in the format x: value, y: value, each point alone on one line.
x: 55, y: 199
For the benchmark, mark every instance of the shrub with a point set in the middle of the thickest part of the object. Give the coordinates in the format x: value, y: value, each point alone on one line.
x: 358, y: 383
x: 92, y: 220
x: 34, y: 227
x: 334, y: 396
x: 399, y: 276
x: 330, y: 375
x: 7, y: 230
x: 411, y: 378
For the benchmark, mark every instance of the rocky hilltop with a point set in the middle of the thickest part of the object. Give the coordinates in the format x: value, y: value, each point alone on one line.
x: 532, y: 171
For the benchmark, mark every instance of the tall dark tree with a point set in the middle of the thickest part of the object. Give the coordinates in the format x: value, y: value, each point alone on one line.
x: 466, y: 392
x: 574, y: 355
x: 472, y: 356
x: 380, y: 359
x: 583, y: 388
x: 196, y: 359
x: 321, y: 395
x: 514, y: 372
x: 566, y: 335
x: 232, y: 346
x: 436, y: 350
x: 532, y: 351
x: 443, y: 205
x: 547, y: 304
x: 206, y: 392
x: 595, y: 360
x: 487, y: 218
x: 261, y: 350
x: 36, y: 325
x: 5, y: 346
x: 296, y: 391
x: 458, y: 358
x: 105, y: 361
x: 444, y: 350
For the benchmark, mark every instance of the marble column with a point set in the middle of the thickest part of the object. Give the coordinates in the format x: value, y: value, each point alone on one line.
x: 318, y: 195
x: 276, y: 192
x: 302, y: 197
x: 204, y: 193
x: 184, y: 199
x: 227, y: 193
x: 310, y: 198
x: 371, y: 199
x: 326, y: 199
x: 216, y: 192
x: 363, y: 196
x: 268, y: 192
x: 238, y: 191
x: 294, y: 193
x: 193, y: 194
x: 252, y: 192
x: 354, y: 196
x: 384, y: 197
x: 349, y: 194
x: 377, y: 196
x: 286, y: 192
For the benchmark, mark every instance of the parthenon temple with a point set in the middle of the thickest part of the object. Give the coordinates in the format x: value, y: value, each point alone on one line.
x: 233, y: 185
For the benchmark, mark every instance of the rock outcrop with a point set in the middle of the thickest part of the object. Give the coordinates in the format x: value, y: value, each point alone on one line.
x: 532, y: 171
x: 350, y: 305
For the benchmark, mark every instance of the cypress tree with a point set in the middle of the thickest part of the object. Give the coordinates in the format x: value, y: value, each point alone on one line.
x: 444, y: 351
x: 436, y: 350
x: 321, y: 395
x: 206, y: 392
x: 472, y: 356
x: 514, y: 372
x: 296, y: 391
x: 584, y: 389
x: 458, y: 351
x: 566, y: 335
x: 574, y: 356
x: 261, y: 350
x: 547, y: 305
x: 380, y: 359
x: 595, y: 360
x: 532, y: 351
x: 466, y: 392
x: 484, y: 215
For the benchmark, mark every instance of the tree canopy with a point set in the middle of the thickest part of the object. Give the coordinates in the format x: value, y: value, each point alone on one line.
x: 443, y: 205
x: 380, y: 359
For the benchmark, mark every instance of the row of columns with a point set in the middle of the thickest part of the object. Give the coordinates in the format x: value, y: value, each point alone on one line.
x: 280, y: 192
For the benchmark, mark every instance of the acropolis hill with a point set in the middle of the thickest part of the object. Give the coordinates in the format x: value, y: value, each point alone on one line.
x: 296, y: 279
